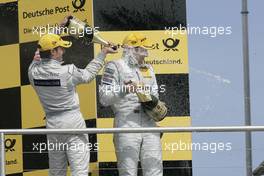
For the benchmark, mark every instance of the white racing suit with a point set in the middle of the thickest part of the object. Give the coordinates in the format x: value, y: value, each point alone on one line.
x: 131, y: 147
x: 55, y: 85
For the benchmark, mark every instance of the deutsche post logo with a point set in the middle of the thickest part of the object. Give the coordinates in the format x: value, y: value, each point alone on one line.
x: 78, y: 5
x: 9, y: 145
x: 171, y: 44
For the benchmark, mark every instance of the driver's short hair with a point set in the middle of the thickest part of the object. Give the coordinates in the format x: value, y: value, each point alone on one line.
x: 45, y: 54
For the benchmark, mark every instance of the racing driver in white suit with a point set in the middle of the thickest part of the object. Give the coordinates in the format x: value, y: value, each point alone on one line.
x: 118, y: 87
x: 55, y: 85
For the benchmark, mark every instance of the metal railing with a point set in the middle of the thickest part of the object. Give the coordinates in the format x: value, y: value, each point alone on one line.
x: 3, y: 132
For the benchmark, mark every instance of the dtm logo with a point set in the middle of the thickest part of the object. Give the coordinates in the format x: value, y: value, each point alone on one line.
x: 171, y: 44
x: 9, y: 145
x: 78, y: 5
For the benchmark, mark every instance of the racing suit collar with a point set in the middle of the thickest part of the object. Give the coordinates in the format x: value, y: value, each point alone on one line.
x: 134, y: 63
x: 143, y: 66
x: 53, y: 60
